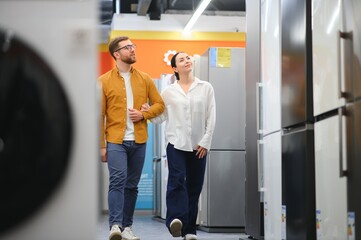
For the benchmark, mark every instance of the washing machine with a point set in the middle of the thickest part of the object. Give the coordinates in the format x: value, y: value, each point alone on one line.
x: 49, y: 108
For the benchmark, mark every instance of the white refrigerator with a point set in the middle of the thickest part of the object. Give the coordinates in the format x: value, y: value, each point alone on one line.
x: 160, y: 161
x: 270, y: 119
x: 337, y: 107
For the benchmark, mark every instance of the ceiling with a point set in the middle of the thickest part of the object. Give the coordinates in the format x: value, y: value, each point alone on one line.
x: 155, y: 8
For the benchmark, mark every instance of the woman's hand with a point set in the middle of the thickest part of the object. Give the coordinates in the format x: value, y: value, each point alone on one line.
x: 201, y: 152
x: 145, y: 107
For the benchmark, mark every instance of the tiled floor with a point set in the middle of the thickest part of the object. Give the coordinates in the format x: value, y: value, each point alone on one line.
x: 147, y: 228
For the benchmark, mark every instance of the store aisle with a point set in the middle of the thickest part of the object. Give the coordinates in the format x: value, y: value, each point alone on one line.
x: 148, y: 229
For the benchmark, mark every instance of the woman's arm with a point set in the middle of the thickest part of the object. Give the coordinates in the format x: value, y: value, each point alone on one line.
x: 159, y: 119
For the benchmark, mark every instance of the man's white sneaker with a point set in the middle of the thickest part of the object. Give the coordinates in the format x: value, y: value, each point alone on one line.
x: 128, y: 234
x: 190, y: 237
x: 115, y: 233
x: 176, y: 227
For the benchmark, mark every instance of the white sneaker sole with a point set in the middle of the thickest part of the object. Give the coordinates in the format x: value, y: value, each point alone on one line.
x: 190, y: 237
x: 133, y: 238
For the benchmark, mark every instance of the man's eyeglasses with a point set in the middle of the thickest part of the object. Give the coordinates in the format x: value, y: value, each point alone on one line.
x: 127, y: 47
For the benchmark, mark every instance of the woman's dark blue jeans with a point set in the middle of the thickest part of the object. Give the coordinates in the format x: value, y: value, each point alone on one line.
x: 185, y: 182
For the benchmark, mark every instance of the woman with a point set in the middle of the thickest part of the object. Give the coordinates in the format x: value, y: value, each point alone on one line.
x: 190, y: 116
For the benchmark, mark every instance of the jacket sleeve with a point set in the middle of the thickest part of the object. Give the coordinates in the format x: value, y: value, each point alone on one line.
x: 156, y: 102
x: 102, y: 117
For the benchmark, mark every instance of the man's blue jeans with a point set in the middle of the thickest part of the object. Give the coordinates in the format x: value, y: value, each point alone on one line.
x: 125, y: 164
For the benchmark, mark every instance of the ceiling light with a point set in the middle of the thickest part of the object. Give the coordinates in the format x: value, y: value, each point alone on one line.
x: 202, y: 6
x: 143, y: 7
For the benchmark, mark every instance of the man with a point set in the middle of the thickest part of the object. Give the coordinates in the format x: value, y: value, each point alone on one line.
x: 124, y: 133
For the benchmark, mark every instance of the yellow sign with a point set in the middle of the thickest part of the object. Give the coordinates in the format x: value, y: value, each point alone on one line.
x: 224, y: 57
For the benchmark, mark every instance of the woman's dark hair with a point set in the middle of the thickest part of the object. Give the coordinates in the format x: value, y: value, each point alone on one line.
x: 172, y: 63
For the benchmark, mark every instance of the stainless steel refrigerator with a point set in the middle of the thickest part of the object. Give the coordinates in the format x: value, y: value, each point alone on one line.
x: 254, y: 202
x: 222, y: 204
x: 270, y: 119
x: 337, y: 110
x: 298, y: 176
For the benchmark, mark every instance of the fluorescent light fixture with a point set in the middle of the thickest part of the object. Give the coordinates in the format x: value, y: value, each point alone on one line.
x: 203, y: 5
x: 117, y: 7
x: 143, y: 6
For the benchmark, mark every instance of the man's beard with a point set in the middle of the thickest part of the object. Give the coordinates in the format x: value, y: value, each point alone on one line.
x: 129, y: 60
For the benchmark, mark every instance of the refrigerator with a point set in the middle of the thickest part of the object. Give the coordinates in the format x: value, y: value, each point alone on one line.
x: 337, y: 111
x: 298, y: 173
x: 222, y: 201
x: 254, y: 202
x: 160, y: 163
x: 269, y: 125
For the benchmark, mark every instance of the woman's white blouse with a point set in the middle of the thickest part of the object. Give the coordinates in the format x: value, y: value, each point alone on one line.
x: 190, y: 117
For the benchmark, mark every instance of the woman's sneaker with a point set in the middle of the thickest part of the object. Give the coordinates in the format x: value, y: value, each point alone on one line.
x: 128, y: 234
x: 190, y: 237
x: 115, y: 233
x: 176, y: 227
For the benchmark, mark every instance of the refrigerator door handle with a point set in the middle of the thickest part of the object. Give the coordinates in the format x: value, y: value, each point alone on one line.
x: 260, y: 167
x: 343, y: 63
x: 258, y: 107
x: 342, y: 143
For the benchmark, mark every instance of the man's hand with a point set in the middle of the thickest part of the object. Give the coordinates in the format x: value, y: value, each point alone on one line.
x: 103, y: 154
x: 135, y: 115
